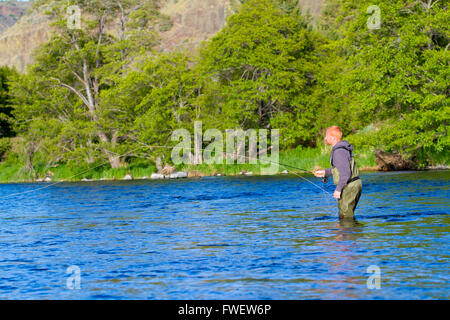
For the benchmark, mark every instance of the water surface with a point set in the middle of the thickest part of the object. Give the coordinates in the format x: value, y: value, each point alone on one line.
x: 225, y: 238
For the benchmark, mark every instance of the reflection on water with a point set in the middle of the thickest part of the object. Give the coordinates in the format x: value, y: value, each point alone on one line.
x: 226, y: 238
x: 349, y: 229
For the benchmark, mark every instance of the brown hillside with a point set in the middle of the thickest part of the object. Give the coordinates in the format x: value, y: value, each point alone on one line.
x: 193, y: 21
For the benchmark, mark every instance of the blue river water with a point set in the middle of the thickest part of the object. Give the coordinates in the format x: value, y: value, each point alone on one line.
x: 274, y: 237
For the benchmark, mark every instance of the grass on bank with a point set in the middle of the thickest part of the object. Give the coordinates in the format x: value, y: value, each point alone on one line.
x: 13, y: 171
x: 304, y: 158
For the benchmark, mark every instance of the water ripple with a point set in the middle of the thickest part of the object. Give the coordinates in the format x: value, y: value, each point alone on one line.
x: 226, y: 238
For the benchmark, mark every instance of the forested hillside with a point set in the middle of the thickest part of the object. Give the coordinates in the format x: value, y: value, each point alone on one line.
x: 92, y: 95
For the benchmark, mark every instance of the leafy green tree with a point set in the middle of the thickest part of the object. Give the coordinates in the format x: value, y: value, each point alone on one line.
x: 73, y: 70
x: 261, y: 69
x: 396, y: 76
x: 101, y: 91
x: 162, y: 91
x: 6, y: 76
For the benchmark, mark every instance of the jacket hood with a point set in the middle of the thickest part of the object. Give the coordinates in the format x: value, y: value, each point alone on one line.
x: 344, y: 145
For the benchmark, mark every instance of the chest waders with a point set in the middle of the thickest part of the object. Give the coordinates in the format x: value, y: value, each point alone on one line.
x: 351, y: 192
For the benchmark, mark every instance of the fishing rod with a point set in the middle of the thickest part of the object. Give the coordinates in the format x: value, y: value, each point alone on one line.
x: 248, y: 157
x: 55, y: 183
x: 151, y: 147
x: 232, y: 153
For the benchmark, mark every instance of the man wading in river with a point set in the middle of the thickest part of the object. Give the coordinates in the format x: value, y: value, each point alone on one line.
x: 344, y: 171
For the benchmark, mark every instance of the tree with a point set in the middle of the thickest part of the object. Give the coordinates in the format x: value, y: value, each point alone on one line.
x: 6, y: 76
x: 77, y: 66
x: 261, y: 68
x: 162, y: 91
x: 397, y: 75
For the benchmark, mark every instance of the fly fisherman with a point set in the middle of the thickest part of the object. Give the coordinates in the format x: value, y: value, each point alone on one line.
x: 344, y: 171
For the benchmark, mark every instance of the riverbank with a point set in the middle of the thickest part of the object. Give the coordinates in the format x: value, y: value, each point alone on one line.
x: 305, y: 159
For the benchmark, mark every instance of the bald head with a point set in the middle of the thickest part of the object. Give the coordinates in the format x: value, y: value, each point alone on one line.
x: 333, y: 135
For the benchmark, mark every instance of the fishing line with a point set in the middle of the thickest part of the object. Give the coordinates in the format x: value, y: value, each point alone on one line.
x: 248, y: 157
x: 149, y: 146
x: 55, y: 183
x: 267, y: 161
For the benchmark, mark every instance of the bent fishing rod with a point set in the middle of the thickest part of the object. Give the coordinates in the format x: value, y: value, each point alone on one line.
x: 231, y: 153
x: 248, y: 157
x: 130, y: 153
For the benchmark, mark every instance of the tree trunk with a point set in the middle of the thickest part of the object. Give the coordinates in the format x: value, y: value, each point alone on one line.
x: 89, y: 158
x: 158, y: 164
x: 114, y: 161
x: 198, y: 143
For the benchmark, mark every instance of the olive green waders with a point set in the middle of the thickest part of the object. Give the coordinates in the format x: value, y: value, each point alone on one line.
x: 351, y: 193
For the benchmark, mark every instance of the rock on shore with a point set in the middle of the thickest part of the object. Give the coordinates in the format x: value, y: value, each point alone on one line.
x: 175, y: 175
x: 128, y: 177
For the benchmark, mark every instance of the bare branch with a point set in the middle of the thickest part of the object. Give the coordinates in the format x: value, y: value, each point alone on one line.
x: 77, y: 92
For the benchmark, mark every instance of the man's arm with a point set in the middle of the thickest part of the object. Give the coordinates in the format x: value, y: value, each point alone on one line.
x: 341, y: 160
x: 328, y: 172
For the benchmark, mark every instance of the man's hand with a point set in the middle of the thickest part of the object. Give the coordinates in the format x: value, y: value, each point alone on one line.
x: 319, y: 173
x: 337, y: 194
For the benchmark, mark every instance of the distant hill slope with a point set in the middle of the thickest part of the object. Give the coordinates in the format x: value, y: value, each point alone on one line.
x: 11, y: 12
x: 197, y: 20
x: 193, y: 21
x: 18, y: 42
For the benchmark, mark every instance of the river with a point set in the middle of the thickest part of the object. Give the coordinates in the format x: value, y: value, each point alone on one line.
x: 271, y: 237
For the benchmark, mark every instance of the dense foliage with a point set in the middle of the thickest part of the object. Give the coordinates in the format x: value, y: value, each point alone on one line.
x: 397, y: 76
x: 100, y: 92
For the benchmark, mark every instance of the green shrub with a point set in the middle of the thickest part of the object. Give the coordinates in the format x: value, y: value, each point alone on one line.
x: 5, y: 146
